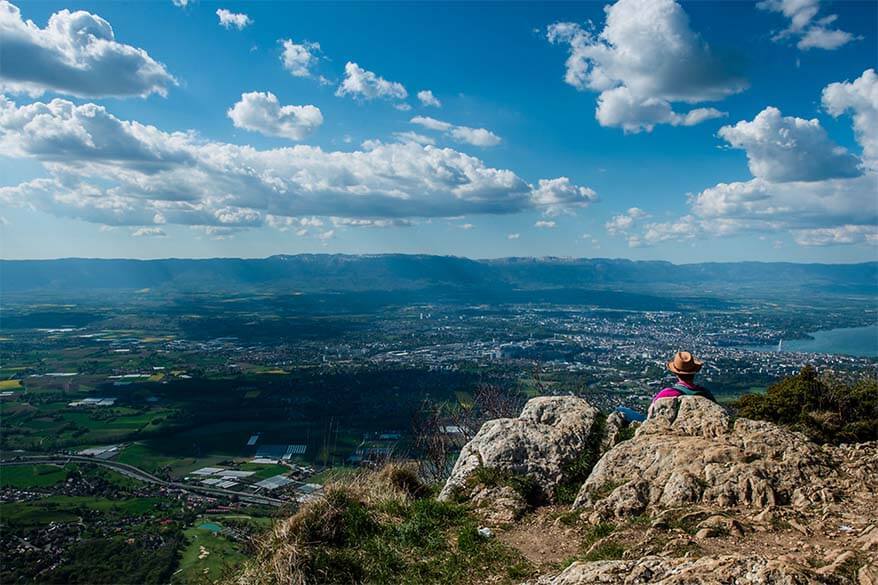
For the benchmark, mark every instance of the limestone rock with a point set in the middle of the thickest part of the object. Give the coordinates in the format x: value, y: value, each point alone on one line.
x: 551, y: 433
x: 739, y: 569
x: 690, y: 450
x: 498, y: 505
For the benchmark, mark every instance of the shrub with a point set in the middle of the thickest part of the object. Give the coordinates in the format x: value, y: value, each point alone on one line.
x: 828, y: 409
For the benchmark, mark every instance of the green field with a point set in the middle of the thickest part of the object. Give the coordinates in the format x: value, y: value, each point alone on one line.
x: 31, y: 476
x: 207, y: 556
x: 70, y: 509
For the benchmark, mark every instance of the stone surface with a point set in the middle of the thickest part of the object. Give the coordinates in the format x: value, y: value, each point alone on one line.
x: 550, y: 433
x: 690, y: 450
x: 737, y: 569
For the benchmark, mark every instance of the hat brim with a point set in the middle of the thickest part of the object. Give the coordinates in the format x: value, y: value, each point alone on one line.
x: 676, y: 371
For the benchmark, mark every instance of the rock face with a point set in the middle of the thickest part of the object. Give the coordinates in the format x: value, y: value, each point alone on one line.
x: 551, y: 433
x: 664, y: 571
x: 690, y: 451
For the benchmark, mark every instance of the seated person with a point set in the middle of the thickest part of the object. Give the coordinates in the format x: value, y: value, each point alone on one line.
x: 685, y: 366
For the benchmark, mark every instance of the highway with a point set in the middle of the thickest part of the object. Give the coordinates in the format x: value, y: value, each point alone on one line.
x: 137, y: 473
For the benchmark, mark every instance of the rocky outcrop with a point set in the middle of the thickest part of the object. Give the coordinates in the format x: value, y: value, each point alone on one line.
x: 690, y: 450
x: 738, y: 569
x: 551, y: 434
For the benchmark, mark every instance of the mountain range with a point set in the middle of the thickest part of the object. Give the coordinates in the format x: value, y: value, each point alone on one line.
x: 397, y: 272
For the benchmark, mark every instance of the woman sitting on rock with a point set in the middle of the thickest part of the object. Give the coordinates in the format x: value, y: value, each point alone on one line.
x: 685, y: 366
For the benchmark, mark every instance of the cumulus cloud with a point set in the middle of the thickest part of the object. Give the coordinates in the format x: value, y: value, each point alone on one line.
x: 76, y: 54
x: 622, y: 223
x: 802, y: 182
x: 545, y: 224
x: 645, y: 58
x: 261, y: 112
x: 230, y: 19
x: 360, y: 83
x: 119, y: 172
x: 860, y: 98
x: 149, y: 232
x: 513, y: 236
x: 558, y: 195
x: 475, y: 136
x: 427, y: 98
x: 300, y: 59
x: 811, y: 33
x: 784, y: 148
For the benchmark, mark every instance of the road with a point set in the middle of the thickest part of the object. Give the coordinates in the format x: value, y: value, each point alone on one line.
x: 137, y: 473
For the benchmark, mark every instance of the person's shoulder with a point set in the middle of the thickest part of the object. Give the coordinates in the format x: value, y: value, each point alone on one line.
x: 667, y: 393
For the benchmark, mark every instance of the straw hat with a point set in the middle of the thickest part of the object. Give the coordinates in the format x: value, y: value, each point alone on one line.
x: 685, y: 363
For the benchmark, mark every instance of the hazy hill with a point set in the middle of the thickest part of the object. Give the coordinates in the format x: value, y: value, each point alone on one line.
x: 322, y: 272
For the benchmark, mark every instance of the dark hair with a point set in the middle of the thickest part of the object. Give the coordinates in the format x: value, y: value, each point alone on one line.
x: 690, y: 378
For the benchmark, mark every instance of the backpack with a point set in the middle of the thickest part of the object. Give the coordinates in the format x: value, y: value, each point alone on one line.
x: 697, y: 391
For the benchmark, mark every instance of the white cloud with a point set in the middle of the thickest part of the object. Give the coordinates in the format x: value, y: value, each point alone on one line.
x: 118, y: 172
x: 149, y: 232
x: 181, y: 3
x: 803, y: 183
x: 545, y: 224
x: 558, y: 195
x: 231, y: 19
x: 812, y: 34
x: 76, y: 54
x: 645, y: 58
x: 370, y: 223
x: 414, y: 137
x: 822, y: 38
x: 859, y: 97
x: 360, y: 83
x: 784, y: 148
x: 622, y: 223
x: 619, y: 108
x: 466, y: 226
x: 845, y: 234
x: 300, y: 59
x: 475, y: 136
x: 427, y: 98
x: 402, y: 107
x: 261, y: 112
x: 513, y: 236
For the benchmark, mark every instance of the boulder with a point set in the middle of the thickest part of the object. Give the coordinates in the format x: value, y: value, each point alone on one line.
x: 690, y: 450
x: 551, y: 434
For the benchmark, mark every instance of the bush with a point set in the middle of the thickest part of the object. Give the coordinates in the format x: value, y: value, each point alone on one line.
x: 827, y: 409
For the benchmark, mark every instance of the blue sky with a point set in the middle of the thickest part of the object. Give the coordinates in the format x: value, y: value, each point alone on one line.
x: 624, y: 129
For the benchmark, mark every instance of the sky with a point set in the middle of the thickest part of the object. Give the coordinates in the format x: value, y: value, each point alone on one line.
x: 642, y: 129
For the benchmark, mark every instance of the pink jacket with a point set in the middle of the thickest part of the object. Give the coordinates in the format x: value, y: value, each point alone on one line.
x: 671, y: 393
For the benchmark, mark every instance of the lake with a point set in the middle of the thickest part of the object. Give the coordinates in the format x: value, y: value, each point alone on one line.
x: 854, y: 341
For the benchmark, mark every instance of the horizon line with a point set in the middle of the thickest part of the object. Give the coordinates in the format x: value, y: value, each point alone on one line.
x: 411, y: 255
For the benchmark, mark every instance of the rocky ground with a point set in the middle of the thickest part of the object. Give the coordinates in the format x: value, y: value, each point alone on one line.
x: 695, y: 496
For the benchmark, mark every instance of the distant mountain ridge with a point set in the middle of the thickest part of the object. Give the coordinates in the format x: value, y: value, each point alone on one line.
x: 340, y: 272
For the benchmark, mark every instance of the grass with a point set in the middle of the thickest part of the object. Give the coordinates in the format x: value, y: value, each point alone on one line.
x: 577, y: 471
x: 381, y: 528
x: 263, y: 470
x: 31, y: 476
x: 223, y: 556
x: 70, y: 508
x: 10, y: 384
x: 525, y: 486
